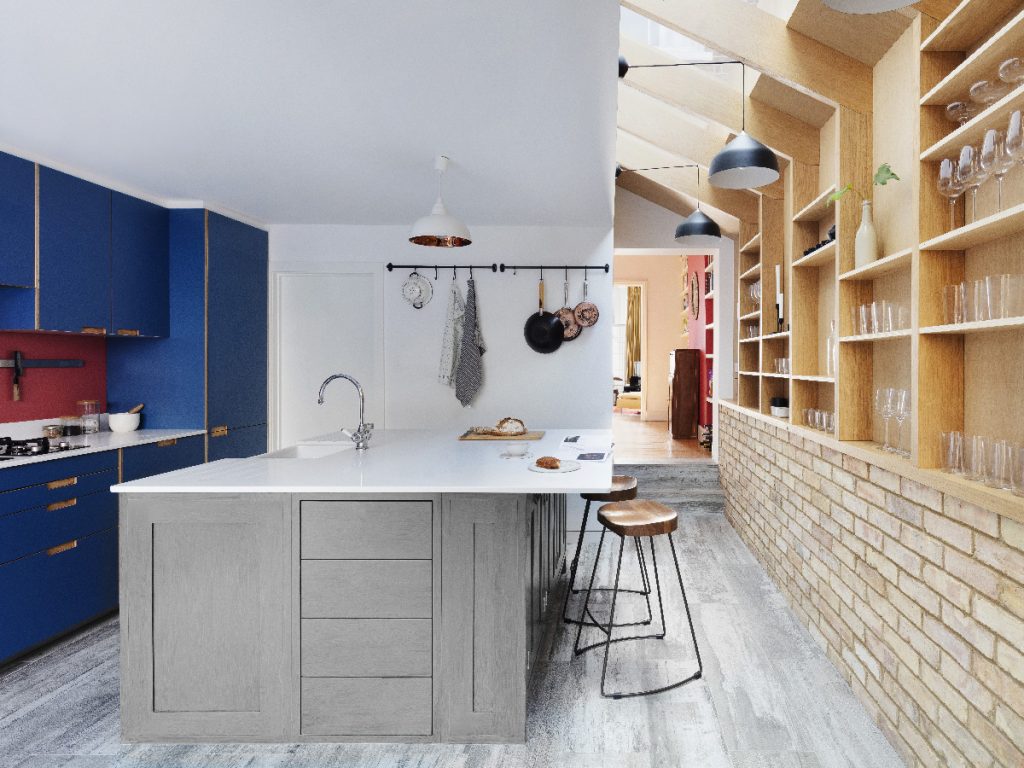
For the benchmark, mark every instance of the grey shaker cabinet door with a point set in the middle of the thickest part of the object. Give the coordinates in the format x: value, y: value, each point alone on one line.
x: 484, y: 574
x: 207, y: 610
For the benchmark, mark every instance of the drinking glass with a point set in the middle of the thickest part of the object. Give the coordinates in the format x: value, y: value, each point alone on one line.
x: 997, y: 288
x: 808, y: 417
x: 884, y: 401
x: 953, y: 304
x: 950, y: 186
x: 1011, y: 71
x: 1017, y: 470
x: 864, y: 315
x: 830, y: 422
x: 995, y: 159
x: 976, y: 458
x: 819, y: 420
x: 979, y: 306
x: 876, y: 317
x: 987, y: 92
x: 960, y: 112
x: 902, y: 317
x: 1013, y: 301
x: 1000, y: 459
x: 972, y: 174
x: 953, y: 452
x: 901, y: 410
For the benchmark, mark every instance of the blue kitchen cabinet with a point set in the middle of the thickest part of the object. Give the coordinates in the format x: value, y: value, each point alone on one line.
x: 58, y: 548
x: 17, y: 222
x: 74, y: 254
x: 139, y: 279
x: 165, y: 456
x: 238, y: 443
x: 237, y: 324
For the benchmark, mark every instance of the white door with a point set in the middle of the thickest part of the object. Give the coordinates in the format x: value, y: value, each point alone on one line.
x: 328, y: 319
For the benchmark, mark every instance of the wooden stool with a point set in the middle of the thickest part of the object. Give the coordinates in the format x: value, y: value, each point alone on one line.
x: 635, y: 519
x: 623, y: 489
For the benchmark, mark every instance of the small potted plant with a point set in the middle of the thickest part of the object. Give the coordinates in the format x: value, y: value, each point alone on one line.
x: 865, y: 248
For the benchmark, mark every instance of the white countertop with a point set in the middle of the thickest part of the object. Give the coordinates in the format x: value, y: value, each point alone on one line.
x: 103, y: 441
x: 397, y: 461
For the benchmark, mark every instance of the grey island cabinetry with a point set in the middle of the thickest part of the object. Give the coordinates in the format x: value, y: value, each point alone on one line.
x: 261, y: 603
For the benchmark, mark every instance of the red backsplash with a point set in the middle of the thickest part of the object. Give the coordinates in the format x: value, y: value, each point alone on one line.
x: 47, y: 392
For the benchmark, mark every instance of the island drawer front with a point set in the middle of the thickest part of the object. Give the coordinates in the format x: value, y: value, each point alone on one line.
x: 366, y: 530
x: 393, y: 706
x: 366, y: 589
x: 366, y: 647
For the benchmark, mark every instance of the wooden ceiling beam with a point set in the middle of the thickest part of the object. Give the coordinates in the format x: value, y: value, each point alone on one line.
x: 634, y: 152
x: 693, y: 91
x: 674, y: 201
x: 763, y: 41
x: 667, y: 128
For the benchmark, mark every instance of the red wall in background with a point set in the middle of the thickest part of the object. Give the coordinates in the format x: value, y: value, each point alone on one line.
x: 47, y: 392
x: 699, y: 337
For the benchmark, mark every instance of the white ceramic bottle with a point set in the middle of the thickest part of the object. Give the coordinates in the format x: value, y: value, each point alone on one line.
x: 865, y: 249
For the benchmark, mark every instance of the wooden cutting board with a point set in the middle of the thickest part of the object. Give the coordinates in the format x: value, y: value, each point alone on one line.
x: 469, y: 435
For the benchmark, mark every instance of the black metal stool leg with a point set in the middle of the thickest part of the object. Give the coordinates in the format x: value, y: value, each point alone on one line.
x: 576, y: 562
x: 611, y: 615
x: 686, y: 604
x: 586, y: 602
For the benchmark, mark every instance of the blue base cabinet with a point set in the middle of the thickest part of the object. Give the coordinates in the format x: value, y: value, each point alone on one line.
x: 165, y: 456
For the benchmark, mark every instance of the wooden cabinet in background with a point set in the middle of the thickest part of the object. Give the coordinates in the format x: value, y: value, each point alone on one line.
x: 684, y: 392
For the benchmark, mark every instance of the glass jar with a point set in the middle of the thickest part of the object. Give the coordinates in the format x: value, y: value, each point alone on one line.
x: 90, y: 412
x: 52, y: 431
x: 70, y: 426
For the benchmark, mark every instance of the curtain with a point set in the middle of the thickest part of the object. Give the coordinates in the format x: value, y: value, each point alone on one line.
x: 632, y: 328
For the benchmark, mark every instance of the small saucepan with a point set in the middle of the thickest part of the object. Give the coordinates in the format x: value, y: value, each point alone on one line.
x: 570, y: 328
x: 543, y: 330
x: 586, y: 312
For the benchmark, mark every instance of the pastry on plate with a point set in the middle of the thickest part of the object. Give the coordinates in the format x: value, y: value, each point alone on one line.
x: 548, y: 462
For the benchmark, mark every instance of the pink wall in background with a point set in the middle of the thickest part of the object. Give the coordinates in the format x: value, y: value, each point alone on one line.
x: 50, y: 392
x: 699, y: 337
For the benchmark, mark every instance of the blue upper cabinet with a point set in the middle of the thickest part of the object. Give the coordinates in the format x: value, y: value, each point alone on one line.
x: 17, y: 221
x: 139, y: 303
x: 236, y: 323
x: 74, y: 254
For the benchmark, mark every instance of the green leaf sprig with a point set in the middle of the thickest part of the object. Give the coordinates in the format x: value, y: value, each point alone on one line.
x: 883, y: 176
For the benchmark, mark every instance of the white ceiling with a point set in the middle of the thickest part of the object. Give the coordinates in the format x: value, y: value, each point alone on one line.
x: 320, y: 111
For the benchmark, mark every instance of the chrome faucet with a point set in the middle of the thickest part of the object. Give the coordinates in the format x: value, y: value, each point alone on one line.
x: 361, y: 437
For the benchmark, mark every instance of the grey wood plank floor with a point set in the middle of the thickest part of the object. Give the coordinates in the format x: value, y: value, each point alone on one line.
x: 769, y: 697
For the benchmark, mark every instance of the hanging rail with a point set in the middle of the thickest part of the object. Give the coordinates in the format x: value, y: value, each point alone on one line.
x: 553, y: 267
x: 437, y: 267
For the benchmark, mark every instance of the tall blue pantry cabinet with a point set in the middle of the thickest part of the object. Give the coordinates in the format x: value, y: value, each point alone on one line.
x: 211, y: 371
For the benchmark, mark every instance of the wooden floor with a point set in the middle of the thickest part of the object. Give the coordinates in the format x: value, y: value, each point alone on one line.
x: 649, y: 442
x: 769, y: 697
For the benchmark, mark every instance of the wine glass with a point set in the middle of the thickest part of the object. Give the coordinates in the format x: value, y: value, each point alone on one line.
x: 1015, y: 137
x: 951, y: 186
x: 884, y: 402
x: 995, y: 159
x: 901, y: 410
x: 972, y: 174
x: 960, y: 112
x: 1011, y: 71
x: 987, y: 92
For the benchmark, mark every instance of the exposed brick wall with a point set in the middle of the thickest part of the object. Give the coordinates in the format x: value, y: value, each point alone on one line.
x: 917, y: 597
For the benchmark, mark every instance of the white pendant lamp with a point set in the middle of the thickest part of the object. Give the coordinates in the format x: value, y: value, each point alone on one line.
x: 744, y: 163
x: 866, y: 6
x: 440, y: 229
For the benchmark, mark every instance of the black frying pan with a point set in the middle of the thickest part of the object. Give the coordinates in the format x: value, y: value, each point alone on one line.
x: 543, y: 330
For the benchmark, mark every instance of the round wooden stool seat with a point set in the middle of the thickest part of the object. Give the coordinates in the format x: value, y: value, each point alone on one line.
x: 639, y: 517
x: 623, y: 489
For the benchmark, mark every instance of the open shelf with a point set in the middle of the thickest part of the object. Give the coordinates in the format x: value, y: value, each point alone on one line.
x: 980, y: 65
x: 777, y: 335
x: 967, y: 24
x: 710, y: 266
x: 750, y: 341
x: 996, y: 115
x: 753, y: 245
x: 709, y: 295
x: 904, y: 334
x: 994, y: 227
x: 824, y: 255
x: 818, y: 209
x: 892, y: 263
x: 775, y: 375
x: 751, y: 315
x: 819, y: 379
x: 755, y: 374
x: 709, y: 327
x: 710, y: 356
x: 750, y: 274
x: 981, y: 326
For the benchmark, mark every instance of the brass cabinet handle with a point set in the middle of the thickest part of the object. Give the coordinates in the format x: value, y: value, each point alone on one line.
x: 221, y: 431
x: 61, y: 505
x: 91, y: 329
x: 62, y: 547
x: 167, y: 443
x: 127, y: 332
x: 67, y: 481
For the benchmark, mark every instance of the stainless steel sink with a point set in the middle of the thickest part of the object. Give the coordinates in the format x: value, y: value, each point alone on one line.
x: 309, y: 451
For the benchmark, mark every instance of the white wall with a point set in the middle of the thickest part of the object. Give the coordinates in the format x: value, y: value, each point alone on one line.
x: 642, y: 224
x: 570, y: 387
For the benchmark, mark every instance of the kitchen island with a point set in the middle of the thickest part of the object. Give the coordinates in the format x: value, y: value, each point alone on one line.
x: 319, y: 593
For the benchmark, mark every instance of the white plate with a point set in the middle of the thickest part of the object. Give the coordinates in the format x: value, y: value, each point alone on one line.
x: 568, y: 465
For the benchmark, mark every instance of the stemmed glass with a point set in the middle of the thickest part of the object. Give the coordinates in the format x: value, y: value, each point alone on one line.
x: 972, y: 174
x: 987, y: 92
x: 951, y: 186
x: 884, y: 407
x: 1015, y: 137
x: 1011, y: 71
x: 995, y: 160
x: 901, y: 411
x: 960, y: 112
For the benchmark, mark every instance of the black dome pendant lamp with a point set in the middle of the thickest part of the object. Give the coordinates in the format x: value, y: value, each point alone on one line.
x: 698, y: 230
x: 744, y: 163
